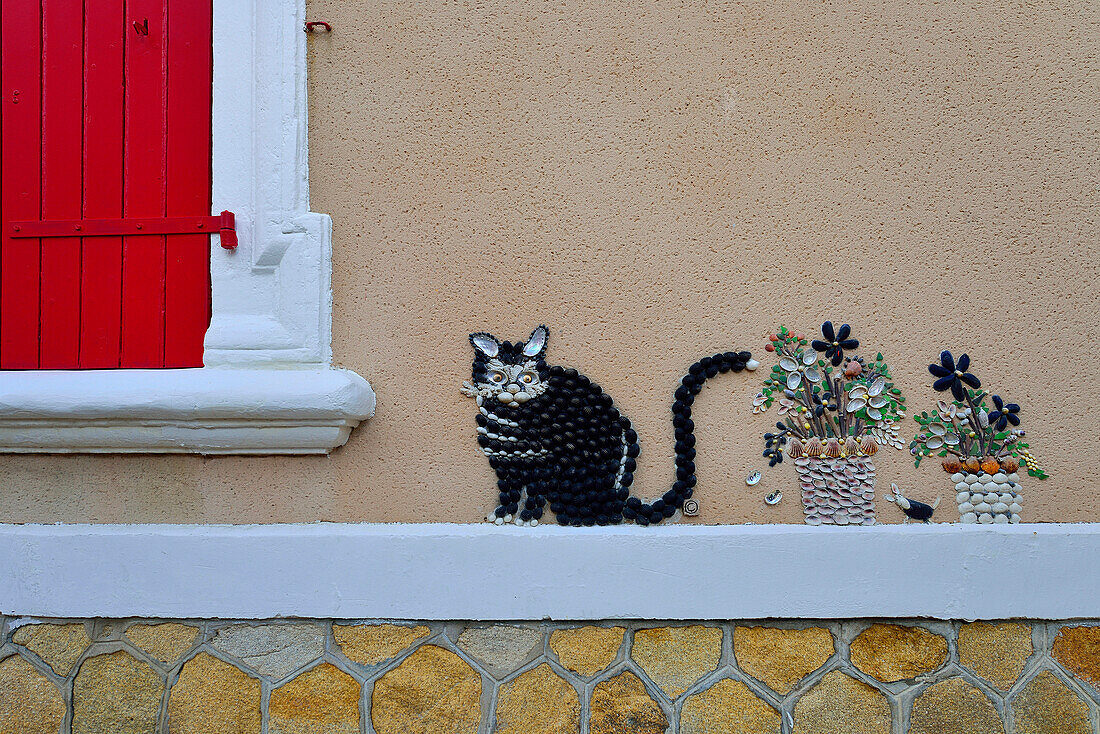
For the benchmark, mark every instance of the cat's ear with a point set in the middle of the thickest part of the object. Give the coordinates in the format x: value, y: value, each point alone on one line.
x: 486, y: 344
x: 536, y: 345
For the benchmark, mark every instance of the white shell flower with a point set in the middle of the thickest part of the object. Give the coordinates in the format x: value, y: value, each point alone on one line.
x: 758, y: 403
x: 871, y: 398
x: 797, y: 368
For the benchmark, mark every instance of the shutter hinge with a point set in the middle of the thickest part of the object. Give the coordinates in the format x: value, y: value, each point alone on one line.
x: 224, y: 224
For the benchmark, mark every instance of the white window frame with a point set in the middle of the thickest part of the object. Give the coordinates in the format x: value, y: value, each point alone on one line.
x: 268, y: 385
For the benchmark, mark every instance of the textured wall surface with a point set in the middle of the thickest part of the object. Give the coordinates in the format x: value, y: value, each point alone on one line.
x: 742, y: 677
x: 656, y: 183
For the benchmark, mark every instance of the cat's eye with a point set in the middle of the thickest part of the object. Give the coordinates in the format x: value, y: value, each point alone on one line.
x: 496, y: 376
x: 528, y: 377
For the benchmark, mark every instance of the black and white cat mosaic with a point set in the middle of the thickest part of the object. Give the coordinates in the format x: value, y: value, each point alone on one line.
x: 554, y: 437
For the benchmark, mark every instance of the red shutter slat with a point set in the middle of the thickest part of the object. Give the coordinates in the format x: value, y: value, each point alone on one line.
x: 62, y: 84
x: 187, y: 296
x: 19, y: 259
x: 144, y: 181
x: 101, y: 264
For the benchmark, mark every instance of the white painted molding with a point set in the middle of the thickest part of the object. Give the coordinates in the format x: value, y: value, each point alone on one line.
x: 267, y: 387
x: 270, y: 297
x: 484, y: 572
x: 206, y: 411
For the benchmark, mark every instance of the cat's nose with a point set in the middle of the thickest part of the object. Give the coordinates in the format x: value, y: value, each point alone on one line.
x: 514, y: 388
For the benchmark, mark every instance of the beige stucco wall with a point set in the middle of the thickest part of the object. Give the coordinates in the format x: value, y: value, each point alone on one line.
x: 656, y: 182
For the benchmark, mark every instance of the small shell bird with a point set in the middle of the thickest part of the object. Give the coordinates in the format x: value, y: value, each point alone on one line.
x: 913, y: 510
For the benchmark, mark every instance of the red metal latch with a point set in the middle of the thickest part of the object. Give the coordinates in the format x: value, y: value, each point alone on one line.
x: 224, y: 223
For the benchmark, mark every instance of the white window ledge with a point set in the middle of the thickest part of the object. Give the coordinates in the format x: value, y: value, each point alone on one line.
x: 1041, y: 571
x: 309, y: 410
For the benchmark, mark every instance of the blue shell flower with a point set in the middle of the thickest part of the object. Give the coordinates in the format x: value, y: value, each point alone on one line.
x: 953, y: 375
x: 835, y: 342
x: 1004, y: 414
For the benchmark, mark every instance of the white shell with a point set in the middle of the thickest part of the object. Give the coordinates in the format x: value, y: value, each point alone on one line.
x: 985, y: 518
x: 992, y: 497
x: 1015, y: 508
x: 971, y: 478
x: 965, y: 507
x: 990, y: 486
x: 984, y: 507
x: 1015, y: 518
x: 1003, y: 486
x: 1000, y: 477
x: 962, y: 497
x: 962, y: 487
x: 1014, y: 477
x: 1007, y: 498
x: 1001, y: 519
x: 968, y: 517
x: 753, y: 478
x: 958, y: 477
x: 983, y: 477
x: 1000, y: 507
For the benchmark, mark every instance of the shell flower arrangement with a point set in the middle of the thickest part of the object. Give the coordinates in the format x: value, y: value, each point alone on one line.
x: 836, y: 409
x: 981, y: 448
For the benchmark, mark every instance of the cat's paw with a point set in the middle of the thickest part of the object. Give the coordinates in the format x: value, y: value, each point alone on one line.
x: 492, y: 517
x: 469, y: 390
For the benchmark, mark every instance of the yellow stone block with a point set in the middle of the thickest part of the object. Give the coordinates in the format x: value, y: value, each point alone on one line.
x: 675, y: 657
x: 839, y: 704
x: 1078, y: 650
x: 996, y: 652
x: 781, y: 657
x: 433, y: 691
x: 29, y: 703
x: 322, y: 700
x: 538, y: 701
x: 59, y: 645
x: 954, y: 707
x: 1047, y: 706
x: 892, y: 652
x: 213, y: 697
x: 116, y: 694
x: 728, y: 707
x: 370, y: 644
x: 587, y: 650
x: 622, y: 705
x: 166, y: 642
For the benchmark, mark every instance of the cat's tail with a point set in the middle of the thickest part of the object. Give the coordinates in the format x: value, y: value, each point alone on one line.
x: 652, y: 513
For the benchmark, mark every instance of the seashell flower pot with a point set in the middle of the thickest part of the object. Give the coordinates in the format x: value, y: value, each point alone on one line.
x: 838, y: 489
x: 987, y: 498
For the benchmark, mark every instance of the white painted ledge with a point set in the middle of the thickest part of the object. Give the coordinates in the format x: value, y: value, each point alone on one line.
x: 206, y: 411
x: 486, y: 572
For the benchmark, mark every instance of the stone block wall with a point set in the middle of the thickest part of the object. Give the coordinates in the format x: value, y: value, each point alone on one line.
x: 335, y: 677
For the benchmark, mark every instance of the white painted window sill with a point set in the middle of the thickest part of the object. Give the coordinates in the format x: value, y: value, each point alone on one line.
x: 443, y: 571
x: 207, y: 411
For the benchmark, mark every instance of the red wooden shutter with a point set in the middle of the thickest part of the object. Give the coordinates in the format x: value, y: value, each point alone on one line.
x: 105, y: 126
